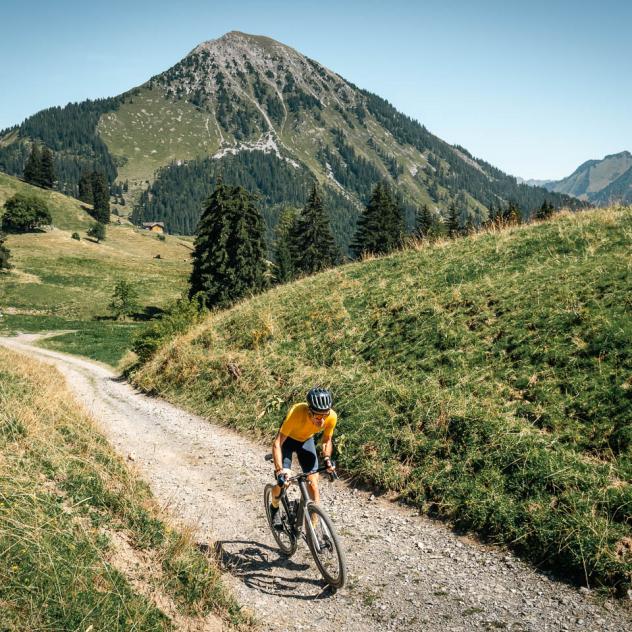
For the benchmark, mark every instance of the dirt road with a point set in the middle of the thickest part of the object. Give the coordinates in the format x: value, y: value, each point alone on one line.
x: 406, y: 572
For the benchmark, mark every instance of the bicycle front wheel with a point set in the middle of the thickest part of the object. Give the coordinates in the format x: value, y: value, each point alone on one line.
x: 327, y: 551
x: 285, y: 537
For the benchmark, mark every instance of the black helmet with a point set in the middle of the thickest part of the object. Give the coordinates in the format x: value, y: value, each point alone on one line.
x: 319, y: 399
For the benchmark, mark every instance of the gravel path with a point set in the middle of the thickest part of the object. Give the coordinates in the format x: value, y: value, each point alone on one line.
x: 406, y: 572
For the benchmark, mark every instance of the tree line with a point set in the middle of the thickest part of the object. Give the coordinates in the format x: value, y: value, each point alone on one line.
x: 229, y: 258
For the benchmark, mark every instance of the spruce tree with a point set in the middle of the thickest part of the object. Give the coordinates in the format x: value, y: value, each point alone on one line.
x: 452, y: 223
x: 33, y: 167
x: 512, y: 215
x: 5, y: 254
x: 545, y: 211
x: 424, y: 222
x: 381, y: 226
x: 85, y: 188
x: 47, y: 171
x: 284, y: 251
x: 229, y: 254
x: 313, y: 241
x: 101, y: 198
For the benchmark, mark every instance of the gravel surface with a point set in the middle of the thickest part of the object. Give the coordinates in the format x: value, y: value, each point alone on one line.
x: 406, y: 572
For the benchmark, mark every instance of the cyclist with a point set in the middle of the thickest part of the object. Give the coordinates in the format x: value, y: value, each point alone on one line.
x: 296, y: 436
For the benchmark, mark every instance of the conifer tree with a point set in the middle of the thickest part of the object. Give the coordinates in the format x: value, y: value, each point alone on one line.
x: 5, y: 254
x: 511, y: 215
x: 381, y: 226
x: 229, y: 254
x: 424, y: 222
x: 545, y: 211
x: 101, y: 198
x: 47, y: 171
x: 313, y: 241
x: 33, y: 167
x: 284, y: 252
x: 85, y: 188
x: 452, y: 223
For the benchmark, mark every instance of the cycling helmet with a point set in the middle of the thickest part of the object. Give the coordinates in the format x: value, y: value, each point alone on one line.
x: 319, y: 399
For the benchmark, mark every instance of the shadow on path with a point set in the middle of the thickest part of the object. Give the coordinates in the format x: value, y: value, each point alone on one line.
x: 258, y: 566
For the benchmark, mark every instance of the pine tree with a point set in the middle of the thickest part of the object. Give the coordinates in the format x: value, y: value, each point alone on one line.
x: 381, y: 226
x: 452, y: 224
x: 313, y: 241
x: 101, y: 198
x: 47, y: 171
x: 424, y: 222
x: 85, y: 188
x: 5, y: 254
x: 229, y: 254
x: 545, y: 211
x: 33, y: 167
x: 284, y: 251
x: 511, y: 215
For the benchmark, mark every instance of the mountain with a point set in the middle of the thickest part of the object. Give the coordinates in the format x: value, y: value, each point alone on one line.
x: 601, y: 182
x: 267, y: 117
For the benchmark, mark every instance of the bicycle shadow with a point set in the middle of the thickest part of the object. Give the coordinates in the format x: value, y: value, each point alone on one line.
x: 261, y: 568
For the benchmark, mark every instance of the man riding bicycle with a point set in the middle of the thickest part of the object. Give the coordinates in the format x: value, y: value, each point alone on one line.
x: 296, y: 436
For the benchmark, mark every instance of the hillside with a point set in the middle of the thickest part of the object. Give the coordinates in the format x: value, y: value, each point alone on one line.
x: 60, y: 283
x: 485, y: 380
x: 604, y: 182
x: 268, y: 118
x: 84, y: 545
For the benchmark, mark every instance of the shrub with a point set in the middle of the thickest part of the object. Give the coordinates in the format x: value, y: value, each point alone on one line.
x: 124, y: 300
x: 97, y: 231
x: 24, y: 213
x: 76, y: 236
x: 177, y: 318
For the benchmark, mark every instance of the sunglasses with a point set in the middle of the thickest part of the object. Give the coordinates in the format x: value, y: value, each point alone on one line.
x: 319, y: 416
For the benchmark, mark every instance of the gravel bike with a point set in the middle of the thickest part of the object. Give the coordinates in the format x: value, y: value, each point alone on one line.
x: 304, y: 518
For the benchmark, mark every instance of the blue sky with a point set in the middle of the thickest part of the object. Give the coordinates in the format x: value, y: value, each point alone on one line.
x: 534, y: 88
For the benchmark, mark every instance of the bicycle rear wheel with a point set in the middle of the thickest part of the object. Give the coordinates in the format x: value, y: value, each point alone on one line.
x: 285, y: 537
x: 328, y: 555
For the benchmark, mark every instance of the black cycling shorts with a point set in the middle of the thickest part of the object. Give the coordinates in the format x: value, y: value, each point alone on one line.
x: 305, y: 452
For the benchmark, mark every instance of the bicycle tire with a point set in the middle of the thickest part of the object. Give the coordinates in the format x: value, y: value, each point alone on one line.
x: 285, y: 539
x: 335, y: 580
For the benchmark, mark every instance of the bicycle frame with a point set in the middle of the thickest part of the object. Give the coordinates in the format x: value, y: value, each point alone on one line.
x: 297, y: 526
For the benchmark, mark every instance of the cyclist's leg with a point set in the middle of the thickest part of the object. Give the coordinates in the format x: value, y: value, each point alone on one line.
x: 308, y: 459
x: 288, y: 447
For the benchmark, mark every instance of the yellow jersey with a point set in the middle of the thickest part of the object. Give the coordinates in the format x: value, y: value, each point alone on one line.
x: 298, y: 424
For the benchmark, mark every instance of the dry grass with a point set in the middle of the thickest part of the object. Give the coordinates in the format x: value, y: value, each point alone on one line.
x: 83, y: 543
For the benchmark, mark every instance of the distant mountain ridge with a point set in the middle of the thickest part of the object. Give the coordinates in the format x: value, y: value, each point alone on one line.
x: 603, y: 182
x: 267, y: 117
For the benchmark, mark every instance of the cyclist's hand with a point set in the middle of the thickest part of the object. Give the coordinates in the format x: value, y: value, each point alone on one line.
x: 282, y: 476
x: 331, y: 466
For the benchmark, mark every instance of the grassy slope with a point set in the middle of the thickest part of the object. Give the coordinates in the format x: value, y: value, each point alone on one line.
x: 487, y: 381
x: 150, y: 132
x: 63, y: 283
x: 82, y: 541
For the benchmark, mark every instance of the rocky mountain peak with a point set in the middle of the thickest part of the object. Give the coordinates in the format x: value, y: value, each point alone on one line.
x: 257, y: 75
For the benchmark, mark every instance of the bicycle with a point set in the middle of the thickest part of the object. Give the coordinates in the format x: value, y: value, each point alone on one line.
x: 304, y: 518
